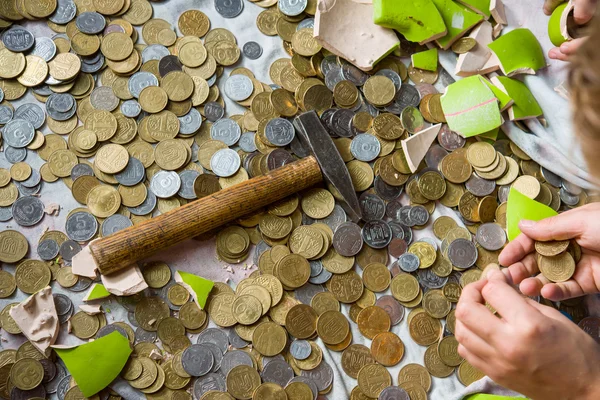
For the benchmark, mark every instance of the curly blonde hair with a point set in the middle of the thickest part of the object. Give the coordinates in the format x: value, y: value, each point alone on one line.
x: 584, y: 86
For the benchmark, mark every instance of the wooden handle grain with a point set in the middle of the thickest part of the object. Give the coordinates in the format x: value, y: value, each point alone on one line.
x: 123, y: 248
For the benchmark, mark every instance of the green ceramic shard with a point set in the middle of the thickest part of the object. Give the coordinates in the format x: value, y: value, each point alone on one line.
x: 198, y: 287
x: 491, y: 135
x: 470, y: 107
x: 525, y: 105
x: 418, y: 20
x: 458, y: 20
x: 96, y: 364
x: 521, y: 207
x: 97, y: 291
x: 427, y: 60
x: 519, y: 52
x: 479, y: 6
x: 504, y: 99
x: 557, y: 26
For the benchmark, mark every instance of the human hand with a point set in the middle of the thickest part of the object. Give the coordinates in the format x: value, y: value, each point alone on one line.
x: 583, y: 13
x: 579, y: 224
x: 530, y: 348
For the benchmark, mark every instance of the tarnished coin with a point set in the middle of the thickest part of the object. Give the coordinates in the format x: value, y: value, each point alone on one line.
x: 229, y: 8
x: 347, y: 239
x: 462, y: 253
x: 252, y: 50
x: 81, y: 226
x: 28, y: 210
x: 115, y: 223
x: 280, y: 132
x: 491, y: 236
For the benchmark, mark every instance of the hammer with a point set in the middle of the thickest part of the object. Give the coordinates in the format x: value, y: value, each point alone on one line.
x: 123, y: 248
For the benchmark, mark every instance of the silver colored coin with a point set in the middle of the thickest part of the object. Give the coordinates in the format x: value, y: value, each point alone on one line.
x: 252, y: 50
x: 347, y: 239
x: 213, y: 111
x: 14, y: 155
x: 65, y: 12
x: 236, y: 341
x: 480, y: 187
x: 353, y: 74
x: 322, y: 375
x: 392, y: 75
x: 217, y: 355
x: 552, y: 178
x: 133, y: 173
x: 428, y: 279
x: 64, y: 318
x: 81, y: 170
x: 63, y: 387
x: 34, y: 179
x: 190, y: 122
x: 238, y: 87
x: 154, y: 52
x: 60, y: 102
x: 45, y: 48
x: 306, y: 293
x: 336, y: 218
x: 215, y: 336
x: 247, y: 143
x: 320, y: 279
x: 187, y: 184
x: 393, y: 393
x: 131, y: 108
x: 377, y: 234
x: 5, y: 214
x: 316, y: 266
x: 233, y: 359
x: 372, y: 206
x: 31, y: 112
x: 68, y: 249
x: 341, y: 122
x: 18, y: 39
x: 278, y: 158
x: 434, y: 156
x: 92, y: 67
x: 328, y: 64
x: 108, y: 329
x: 277, y: 371
x: 212, y: 80
x: 226, y: 130
x: 462, y: 253
x: 419, y: 215
x: 142, y: 335
x: 571, y: 188
x: 47, y: 249
x: 18, y: 133
x: 62, y: 303
x: 165, y: 184
x: 412, y: 119
x: 103, y: 98
x: 197, y: 360
x: 430, y: 241
x: 385, y: 191
x: 568, y: 198
x: 292, y: 8
x: 209, y: 382
x: 392, y: 307
x: 52, y: 386
x: 306, y: 23
x: 6, y: 113
x: 1, y: 95
x: 280, y: 132
x: 503, y: 192
x: 333, y: 77
x: 491, y: 236
x: 300, y: 349
x: 409, y: 262
x: 311, y: 383
x: 115, y: 223
x: 28, y: 210
x: 225, y: 162
x: 365, y: 147
x: 450, y: 140
x: 25, y: 191
x: 392, y: 209
x: 81, y: 226
x: 140, y: 81
x: 91, y: 23
x: 37, y: 392
x: 82, y: 284
x: 229, y: 8
x: 408, y: 96
x: 146, y: 207
x: 169, y: 64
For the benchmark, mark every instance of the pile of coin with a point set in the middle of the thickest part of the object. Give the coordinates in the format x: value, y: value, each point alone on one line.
x: 139, y: 129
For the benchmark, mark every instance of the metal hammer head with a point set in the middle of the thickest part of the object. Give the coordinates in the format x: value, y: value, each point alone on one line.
x: 315, y: 137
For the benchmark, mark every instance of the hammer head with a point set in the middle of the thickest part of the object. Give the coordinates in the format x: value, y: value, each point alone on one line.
x: 314, y: 137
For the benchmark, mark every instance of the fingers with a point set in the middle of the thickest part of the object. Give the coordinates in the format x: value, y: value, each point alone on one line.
x: 561, y: 291
x: 570, y: 48
x: 516, y: 250
x: 500, y: 295
x: 474, y: 359
x: 472, y: 342
x: 555, y: 54
x: 472, y: 292
x: 567, y: 225
x: 533, y: 286
x: 523, y: 269
x: 583, y: 282
x: 546, y: 310
x: 584, y: 11
x: 550, y: 5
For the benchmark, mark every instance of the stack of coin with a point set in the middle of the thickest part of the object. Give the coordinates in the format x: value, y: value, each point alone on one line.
x: 557, y: 259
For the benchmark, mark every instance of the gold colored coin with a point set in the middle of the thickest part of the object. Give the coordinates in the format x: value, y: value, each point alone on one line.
x: 415, y: 373
x: 84, y: 325
x: 66, y: 278
x: 527, y: 185
x: 448, y: 351
x: 332, y: 327
x: 103, y: 201
x: 436, y: 304
x: 219, y: 309
x: 426, y: 253
x: 32, y: 276
x: 559, y: 268
x: 117, y: 46
x: 464, y: 45
x: 11, y: 64
x: 379, y: 90
x: 317, y: 203
x: 111, y: 158
x: 61, y: 162
x: 178, y: 85
x: 153, y: 99
x: 405, y: 287
x: 434, y: 363
x: 27, y: 374
x: 102, y: 123
x: 242, y: 381
x: 293, y: 271
x: 65, y: 66
x: 4, y: 177
x: 20, y: 171
x: 456, y: 168
x: 246, y: 309
x: 551, y: 248
x: 387, y: 349
x: 467, y: 374
x: 361, y: 174
x: 85, y: 45
x: 424, y: 329
x: 376, y: 277
x: 372, y: 379
x: 7, y: 285
x: 372, y: 321
x: 298, y: 391
x: 226, y: 53
x: 194, y: 23
x: 8, y: 195
x: 35, y: 72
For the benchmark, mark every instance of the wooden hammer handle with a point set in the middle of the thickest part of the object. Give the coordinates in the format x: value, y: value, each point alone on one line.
x: 123, y: 248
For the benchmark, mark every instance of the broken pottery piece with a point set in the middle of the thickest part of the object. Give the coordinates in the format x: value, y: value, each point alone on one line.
x: 474, y: 62
x: 416, y: 146
x: 458, y: 20
x: 84, y: 263
x: 91, y: 309
x: 427, y: 60
x: 36, y: 317
x: 557, y: 24
x: 504, y: 100
x: 125, y: 282
x: 418, y: 20
x: 525, y: 105
x: 346, y: 28
x: 198, y: 287
x: 97, y: 291
x: 562, y: 91
x: 479, y: 6
x: 470, y: 107
x: 498, y: 12
x: 519, y: 52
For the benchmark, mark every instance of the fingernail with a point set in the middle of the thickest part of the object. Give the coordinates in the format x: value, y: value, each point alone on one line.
x: 553, y: 53
x: 564, y: 48
x: 526, y: 224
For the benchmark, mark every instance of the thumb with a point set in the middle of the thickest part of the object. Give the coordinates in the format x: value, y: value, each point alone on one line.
x: 584, y: 11
x: 561, y: 227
